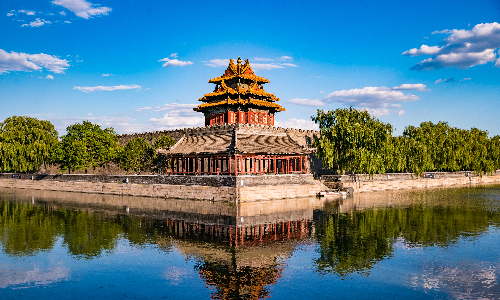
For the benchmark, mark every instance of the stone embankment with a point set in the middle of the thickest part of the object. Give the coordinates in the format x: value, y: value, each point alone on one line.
x: 214, y: 188
x: 235, y: 189
x: 398, y: 181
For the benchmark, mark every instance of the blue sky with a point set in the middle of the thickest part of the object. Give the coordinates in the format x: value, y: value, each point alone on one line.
x: 142, y: 65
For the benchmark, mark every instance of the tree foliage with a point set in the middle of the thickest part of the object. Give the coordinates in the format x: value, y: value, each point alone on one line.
x: 26, y: 143
x: 139, y: 156
x: 353, y: 141
x: 135, y: 156
x: 87, y: 145
x: 163, y: 141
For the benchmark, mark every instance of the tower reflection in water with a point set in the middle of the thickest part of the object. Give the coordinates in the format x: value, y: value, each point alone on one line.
x: 240, y: 249
x: 245, y: 250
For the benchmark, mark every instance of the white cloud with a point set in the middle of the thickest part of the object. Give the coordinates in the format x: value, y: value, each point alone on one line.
x: 449, y: 80
x: 106, y: 74
x: 9, y: 14
x: 283, y: 58
x: 376, y: 100
x: 379, y: 112
x: 306, y: 102
x: 217, y: 63
x: 22, y: 11
x: 49, y: 77
x: 144, y: 108
x: 174, y: 55
x: 177, y: 119
x: 406, y: 86
x: 175, y: 63
x: 14, y: 61
x: 82, y: 8
x: 466, y: 79
x: 37, y: 23
x: 258, y: 66
x: 423, y: 50
x: 175, y: 106
x: 298, y: 124
x: 88, y: 89
x: 62, y: 13
x: 462, y: 48
x: 288, y: 65
x: 373, y: 97
x: 459, y: 60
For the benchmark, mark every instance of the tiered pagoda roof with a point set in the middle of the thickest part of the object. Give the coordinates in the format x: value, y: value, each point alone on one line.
x: 239, y: 89
x: 236, y: 139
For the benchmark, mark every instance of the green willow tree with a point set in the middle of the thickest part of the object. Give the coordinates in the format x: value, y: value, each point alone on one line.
x: 139, y: 156
x: 351, y: 140
x: 87, y: 145
x: 135, y: 156
x: 26, y: 143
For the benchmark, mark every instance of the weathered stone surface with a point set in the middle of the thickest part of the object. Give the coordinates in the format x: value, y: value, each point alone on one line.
x: 370, y: 186
x: 255, y: 188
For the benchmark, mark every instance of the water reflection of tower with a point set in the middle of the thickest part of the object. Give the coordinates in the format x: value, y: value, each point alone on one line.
x: 253, y: 259
x: 247, y: 257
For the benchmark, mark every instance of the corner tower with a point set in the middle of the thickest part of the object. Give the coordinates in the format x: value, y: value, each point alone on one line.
x: 239, y: 97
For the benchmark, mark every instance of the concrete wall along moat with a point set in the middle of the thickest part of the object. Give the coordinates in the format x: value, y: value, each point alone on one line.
x: 214, y: 188
x: 399, y: 181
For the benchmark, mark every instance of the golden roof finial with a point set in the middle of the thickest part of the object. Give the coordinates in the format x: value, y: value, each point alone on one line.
x: 239, y: 60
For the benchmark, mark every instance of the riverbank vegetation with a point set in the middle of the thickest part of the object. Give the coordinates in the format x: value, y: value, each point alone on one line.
x: 353, y: 141
x: 28, y: 144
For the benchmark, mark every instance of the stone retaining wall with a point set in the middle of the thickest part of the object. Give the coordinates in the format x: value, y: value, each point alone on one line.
x: 397, y: 176
x: 253, y: 188
x: 206, y: 180
x: 371, y: 186
x: 148, y: 190
x: 189, y: 180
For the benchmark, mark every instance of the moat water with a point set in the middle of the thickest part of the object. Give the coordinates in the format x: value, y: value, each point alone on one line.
x: 419, y: 244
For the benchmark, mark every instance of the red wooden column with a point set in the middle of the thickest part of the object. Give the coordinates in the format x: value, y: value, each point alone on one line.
x: 210, y: 164
x: 196, y: 163
x: 261, y: 165
x: 275, y: 165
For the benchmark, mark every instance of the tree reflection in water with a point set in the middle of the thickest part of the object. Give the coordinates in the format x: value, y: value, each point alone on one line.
x: 353, y: 240
x: 242, y: 261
